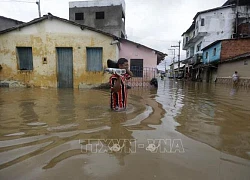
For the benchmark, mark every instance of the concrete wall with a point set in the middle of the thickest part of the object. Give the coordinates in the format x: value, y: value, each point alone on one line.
x: 234, y: 47
x: 195, y: 46
x: 112, y: 22
x: 217, y: 21
x: 242, y: 66
x: 219, y: 25
x: 211, y: 57
x: 44, y: 37
x: 6, y: 23
x: 97, y: 3
x: 188, y: 35
x: 226, y: 70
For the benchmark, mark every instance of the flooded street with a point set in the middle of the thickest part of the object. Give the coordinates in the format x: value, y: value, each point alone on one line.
x: 200, y: 131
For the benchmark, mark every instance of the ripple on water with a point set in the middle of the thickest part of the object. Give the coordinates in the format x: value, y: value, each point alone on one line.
x: 37, y: 124
x: 15, y: 134
x: 64, y: 127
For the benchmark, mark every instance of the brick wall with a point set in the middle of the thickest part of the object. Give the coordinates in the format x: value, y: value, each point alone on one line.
x: 234, y: 47
x: 244, y: 28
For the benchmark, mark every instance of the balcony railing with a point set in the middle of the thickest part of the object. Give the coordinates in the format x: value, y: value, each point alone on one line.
x: 197, y: 58
x: 193, y: 40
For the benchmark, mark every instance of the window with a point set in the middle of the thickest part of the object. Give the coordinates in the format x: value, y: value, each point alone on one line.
x: 202, y: 22
x: 94, y: 59
x: 187, y: 55
x: 99, y: 15
x: 214, y: 52
x: 79, y: 16
x: 136, y: 66
x: 198, y: 47
x: 25, y: 58
x: 186, y: 39
x: 193, y: 33
x: 206, y: 55
x: 196, y: 25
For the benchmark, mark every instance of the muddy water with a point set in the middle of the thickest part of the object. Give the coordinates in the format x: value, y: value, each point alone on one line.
x: 199, y: 131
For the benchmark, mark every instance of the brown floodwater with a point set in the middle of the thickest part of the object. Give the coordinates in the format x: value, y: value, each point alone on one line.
x: 200, y: 131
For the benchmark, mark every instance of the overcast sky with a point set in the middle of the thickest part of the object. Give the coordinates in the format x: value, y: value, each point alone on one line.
x: 155, y: 23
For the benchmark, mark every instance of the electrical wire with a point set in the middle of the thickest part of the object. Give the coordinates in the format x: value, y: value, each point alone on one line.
x: 19, y: 1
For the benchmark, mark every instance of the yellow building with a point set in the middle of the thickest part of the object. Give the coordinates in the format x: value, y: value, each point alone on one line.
x: 54, y: 52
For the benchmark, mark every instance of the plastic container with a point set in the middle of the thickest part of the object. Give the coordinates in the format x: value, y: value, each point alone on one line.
x: 115, y: 71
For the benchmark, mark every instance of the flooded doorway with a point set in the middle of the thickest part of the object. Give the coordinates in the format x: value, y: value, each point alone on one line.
x: 65, y: 67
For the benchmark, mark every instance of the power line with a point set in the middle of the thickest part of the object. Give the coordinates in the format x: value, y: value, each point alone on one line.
x: 37, y: 2
x: 19, y: 1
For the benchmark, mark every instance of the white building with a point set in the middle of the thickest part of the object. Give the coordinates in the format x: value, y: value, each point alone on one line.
x: 207, y: 27
x: 214, y: 24
x: 211, y: 25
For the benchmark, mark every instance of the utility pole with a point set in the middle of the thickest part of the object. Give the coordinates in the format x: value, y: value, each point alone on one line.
x: 39, y: 8
x: 179, y: 55
x: 174, y: 54
x: 172, y: 68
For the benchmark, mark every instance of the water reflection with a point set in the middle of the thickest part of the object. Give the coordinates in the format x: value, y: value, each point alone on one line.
x: 36, y: 122
x: 65, y: 106
x: 210, y: 115
x: 52, y: 119
x: 234, y: 91
x: 120, y: 135
x: 27, y: 111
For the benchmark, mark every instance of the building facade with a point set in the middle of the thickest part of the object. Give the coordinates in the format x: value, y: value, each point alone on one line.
x: 207, y: 27
x: 222, y: 58
x: 229, y: 21
x: 105, y: 15
x: 54, y: 52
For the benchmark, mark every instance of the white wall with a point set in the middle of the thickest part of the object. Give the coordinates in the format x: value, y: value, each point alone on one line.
x: 219, y: 25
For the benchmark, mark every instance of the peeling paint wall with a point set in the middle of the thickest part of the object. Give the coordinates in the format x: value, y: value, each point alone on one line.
x: 219, y: 24
x: 44, y: 37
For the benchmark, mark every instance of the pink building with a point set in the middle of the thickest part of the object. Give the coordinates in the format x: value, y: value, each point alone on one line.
x: 143, y: 60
